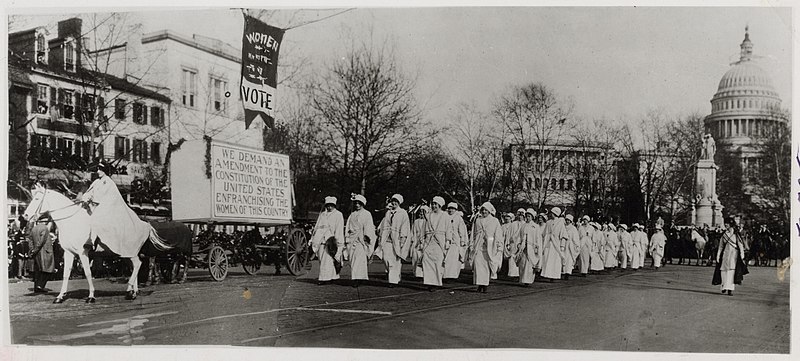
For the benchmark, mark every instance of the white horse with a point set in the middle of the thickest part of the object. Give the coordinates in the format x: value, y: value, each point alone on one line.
x: 73, y: 225
x: 699, y: 244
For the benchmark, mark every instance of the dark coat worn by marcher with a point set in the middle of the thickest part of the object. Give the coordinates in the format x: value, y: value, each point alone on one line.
x: 42, y: 250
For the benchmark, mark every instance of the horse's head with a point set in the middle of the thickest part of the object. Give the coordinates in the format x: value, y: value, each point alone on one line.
x: 38, y: 202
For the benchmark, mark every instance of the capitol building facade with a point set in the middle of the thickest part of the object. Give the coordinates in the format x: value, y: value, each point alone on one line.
x: 745, y: 111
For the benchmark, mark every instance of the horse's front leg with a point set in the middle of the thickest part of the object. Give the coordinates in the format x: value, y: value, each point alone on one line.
x: 133, y: 282
x: 87, y: 271
x: 69, y: 260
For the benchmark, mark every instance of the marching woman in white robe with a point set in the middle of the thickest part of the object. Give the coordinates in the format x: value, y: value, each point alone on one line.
x: 330, y: 223
x: 393, y: 233
x: 456, y: 238
x: 541, y: 220
x: 528, y: 251
x: 598, y: 239
x: 573, y: 244
x: 585, y: 236
x: 730, y: 259
x: 486, y: 246
x: 641, y: 238
x: 624, y: 245
x: 512, y: 238
x: 360, y: 239
x: 417, y: 236
x: 555, y: 236
x: 111, y: 220
x: 611, y: 247
x: 433, y: 248
x: 634, y: 251
x: 657, y: 243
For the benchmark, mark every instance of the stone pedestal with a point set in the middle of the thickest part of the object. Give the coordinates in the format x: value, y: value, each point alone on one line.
x: 707, y: 208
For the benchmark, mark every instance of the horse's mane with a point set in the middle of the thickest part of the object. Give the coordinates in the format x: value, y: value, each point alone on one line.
x: 58, y: 199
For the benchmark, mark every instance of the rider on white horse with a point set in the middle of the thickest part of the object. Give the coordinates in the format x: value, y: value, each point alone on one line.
x: 111, y: 220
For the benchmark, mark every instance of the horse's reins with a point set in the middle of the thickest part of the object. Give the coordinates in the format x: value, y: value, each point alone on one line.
x: 38, y: 211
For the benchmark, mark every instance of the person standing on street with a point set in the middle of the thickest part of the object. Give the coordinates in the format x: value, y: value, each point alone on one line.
x: 513, y: 239
x: 585, y: 237
x: 657, y: 243
x: 486, y: 246
x: 624, y: 246
x: 394, y: 242
x: 573, y: 247
x: 529, y: 248
x: 327, y: 241
x: 634, y: 247
x: 360, y: 239
x: 642, y: 241
x: 541, y: 220
x: 42, y: 253
x: 598, y: 239
x: 730, y: 268
x: 555, y: 236
x: 456, y: 239
x: 611, y: 248
x: 434, y: 243
x: 417, y: 237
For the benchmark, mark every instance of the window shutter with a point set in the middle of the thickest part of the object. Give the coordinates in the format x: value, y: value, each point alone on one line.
x: 161, y: 119
x: 144, y: 151
x: 127, y: 153
x: 60, y: 96
x: 53, y: 91
x: 78, y: 107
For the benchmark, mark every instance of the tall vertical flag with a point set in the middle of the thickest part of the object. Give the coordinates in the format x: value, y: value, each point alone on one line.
x: 260, y: 45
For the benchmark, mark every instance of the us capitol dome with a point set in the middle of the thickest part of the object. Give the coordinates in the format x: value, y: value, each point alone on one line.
x: 745, y: 109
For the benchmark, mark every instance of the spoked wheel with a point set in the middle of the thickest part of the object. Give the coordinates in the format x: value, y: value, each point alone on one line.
x: 297, y: 255
x: 251, y: 261
x: 217, y: 263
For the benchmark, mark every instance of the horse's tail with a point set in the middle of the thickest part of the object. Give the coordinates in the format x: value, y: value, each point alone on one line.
x: 158, y: 242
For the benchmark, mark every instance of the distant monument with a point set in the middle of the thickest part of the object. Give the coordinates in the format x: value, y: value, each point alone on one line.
x: 706, y: 208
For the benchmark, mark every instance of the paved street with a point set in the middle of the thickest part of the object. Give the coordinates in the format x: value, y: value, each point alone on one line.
x: 673, y: 309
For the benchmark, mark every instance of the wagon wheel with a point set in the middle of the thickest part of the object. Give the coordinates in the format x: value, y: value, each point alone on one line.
x: 251, y: 260
x: 297, y: 255
x: 217, y: 263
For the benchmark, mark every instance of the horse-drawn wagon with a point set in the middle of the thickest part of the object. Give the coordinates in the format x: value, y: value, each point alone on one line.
x: 241, y: 198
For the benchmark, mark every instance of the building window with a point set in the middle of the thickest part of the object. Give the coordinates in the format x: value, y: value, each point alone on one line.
x: 569, y: 184
x: 65, y: 100
x: 41, y: 49
x: 42, y: 99
x: 155, y: 152
x: 121, y: 146
x: 553, y: 183
x: 69, y: 56
x: 561, y: 184
x: 189, y: 87
x: 157, y: 116
x: 119, y: 109
x: 139, y: 151
x: 138, y: 116
x: 218, y: 88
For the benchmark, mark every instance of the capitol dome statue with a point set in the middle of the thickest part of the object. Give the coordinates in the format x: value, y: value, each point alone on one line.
x: 745, y: 108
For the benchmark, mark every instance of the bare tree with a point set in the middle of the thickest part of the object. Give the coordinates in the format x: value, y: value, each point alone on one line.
x: 478, y: 149
x: 365, y: 106
x: 598, y: 149
x: 535, y: 120
x: 646, y: 145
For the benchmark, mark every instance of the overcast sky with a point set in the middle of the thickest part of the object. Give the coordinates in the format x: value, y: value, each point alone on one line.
x: 613, y: 62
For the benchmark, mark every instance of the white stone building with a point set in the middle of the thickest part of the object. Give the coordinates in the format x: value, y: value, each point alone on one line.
x: 200, y: 74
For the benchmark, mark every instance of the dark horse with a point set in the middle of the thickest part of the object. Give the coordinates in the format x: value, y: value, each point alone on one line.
x: 177, y: 235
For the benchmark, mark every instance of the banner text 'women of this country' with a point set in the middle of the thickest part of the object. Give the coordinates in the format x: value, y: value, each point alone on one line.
x: 250, y: 184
